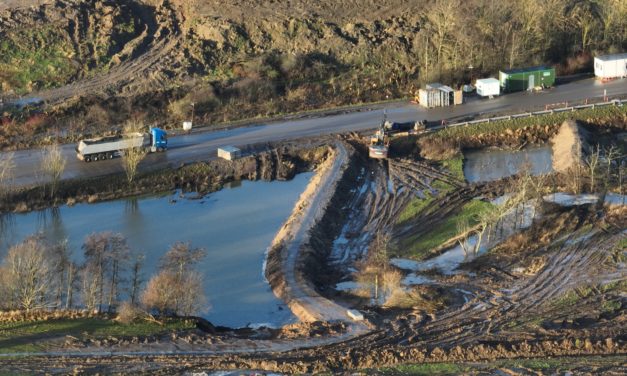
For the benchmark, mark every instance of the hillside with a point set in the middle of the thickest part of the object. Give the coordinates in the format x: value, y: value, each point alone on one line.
x: 238, y: 59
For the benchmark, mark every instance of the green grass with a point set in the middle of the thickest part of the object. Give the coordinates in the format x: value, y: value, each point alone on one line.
x: 36, y: 55
x: 427, y: 369
x: 462, y: 132
x: 611, y: 305
x: 455, y: 166
x: 571, y: 297
x: 544, y: 365
x: 418, y: 247
x: 414, y: 208
x: 28, y: 336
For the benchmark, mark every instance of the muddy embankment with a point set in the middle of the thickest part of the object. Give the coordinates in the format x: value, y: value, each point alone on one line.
x: 517, y: 133
x: 299, y: 250
x: 281, y: 163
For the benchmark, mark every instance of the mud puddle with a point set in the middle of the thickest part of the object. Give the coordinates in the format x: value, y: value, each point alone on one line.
x: 565, y: 199
x: 490, y: 165
x: 235, y: 226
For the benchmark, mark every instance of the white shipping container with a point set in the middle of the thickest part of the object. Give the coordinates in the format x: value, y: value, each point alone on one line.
x: 229, y: 152
x: 488, y: 87
x: 355, y: 314
x: 610, y: 66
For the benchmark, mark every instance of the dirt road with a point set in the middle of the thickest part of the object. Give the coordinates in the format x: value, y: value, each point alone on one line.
x: 203, y: 145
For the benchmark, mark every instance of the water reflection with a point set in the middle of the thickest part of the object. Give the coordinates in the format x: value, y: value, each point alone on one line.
x: 489, y: 165
x: 235, y: 226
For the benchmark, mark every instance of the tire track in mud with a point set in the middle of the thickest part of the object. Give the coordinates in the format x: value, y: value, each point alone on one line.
x: 161, y: 36
x: 567, y: 267
x: 383, y: 194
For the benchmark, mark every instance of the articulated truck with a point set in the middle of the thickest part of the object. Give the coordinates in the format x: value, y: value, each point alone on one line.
x: 97, y: 149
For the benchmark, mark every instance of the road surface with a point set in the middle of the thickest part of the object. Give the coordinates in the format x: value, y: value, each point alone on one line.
x: 202, y: 146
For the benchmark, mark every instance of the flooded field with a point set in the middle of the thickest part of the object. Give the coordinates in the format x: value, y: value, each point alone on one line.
x: 234, y: 225
x: 489, y: 165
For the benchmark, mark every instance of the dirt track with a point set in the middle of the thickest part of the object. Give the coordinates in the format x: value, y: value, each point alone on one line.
x: 510, y: 314
x: 160, y: 36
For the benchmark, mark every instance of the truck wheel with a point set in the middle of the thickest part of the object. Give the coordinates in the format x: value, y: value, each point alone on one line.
x: 94, y: 158
x: 102, y: 156
x: 110, y: 155
x: 87, y: 158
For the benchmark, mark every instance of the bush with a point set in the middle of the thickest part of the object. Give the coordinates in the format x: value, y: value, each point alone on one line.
x: 128, y: 313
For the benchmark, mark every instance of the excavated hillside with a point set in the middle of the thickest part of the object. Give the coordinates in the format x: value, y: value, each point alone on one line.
x: 82, y: 39
x: 95, y: 64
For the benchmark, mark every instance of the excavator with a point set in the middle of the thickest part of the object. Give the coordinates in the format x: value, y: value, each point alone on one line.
x: 380, y: 140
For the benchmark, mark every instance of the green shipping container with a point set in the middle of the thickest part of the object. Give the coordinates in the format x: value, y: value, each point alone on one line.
x: 526, y: 78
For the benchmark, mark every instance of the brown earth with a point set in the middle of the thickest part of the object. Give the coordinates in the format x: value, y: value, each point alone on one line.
x: 570, y: 146
x: 556, y: 289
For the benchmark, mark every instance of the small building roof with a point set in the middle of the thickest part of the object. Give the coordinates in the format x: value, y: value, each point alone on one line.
x: 613, y: 57
x: 530, y: 69
x: 490, y: 80
x: 229, y: 149
x: 439, y: 86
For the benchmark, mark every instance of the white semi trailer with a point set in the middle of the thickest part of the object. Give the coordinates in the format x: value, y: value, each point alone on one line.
x: 96, y: 149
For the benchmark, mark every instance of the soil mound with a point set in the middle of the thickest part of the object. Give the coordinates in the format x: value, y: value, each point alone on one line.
x: 569, y: 146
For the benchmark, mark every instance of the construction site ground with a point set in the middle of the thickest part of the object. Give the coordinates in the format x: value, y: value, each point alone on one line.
x: 553, y: 289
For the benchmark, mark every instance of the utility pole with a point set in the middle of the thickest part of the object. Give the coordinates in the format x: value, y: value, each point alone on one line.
x: 192, y: 104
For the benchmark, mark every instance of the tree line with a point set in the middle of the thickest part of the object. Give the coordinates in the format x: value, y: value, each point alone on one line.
x: 36, y: 275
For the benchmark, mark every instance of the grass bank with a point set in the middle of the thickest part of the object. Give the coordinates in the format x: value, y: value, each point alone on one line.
x: 419, y: 247
x: 447, y: 143
x: 32, y: 336
x: 543, y: 365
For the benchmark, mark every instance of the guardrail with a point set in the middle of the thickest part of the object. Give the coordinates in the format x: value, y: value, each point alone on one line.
x: 614, y: 102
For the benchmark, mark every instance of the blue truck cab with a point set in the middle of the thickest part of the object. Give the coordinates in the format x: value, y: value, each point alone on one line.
x: 158, y: 140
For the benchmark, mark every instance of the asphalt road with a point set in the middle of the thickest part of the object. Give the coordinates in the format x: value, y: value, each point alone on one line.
x: 203, y: 145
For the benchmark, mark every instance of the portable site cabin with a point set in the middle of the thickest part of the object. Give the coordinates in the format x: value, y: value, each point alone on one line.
x: 610, y: 66
x: 439, y: 95
x: 488, y: 87
x: 527, y: 78
x: 229, y: 153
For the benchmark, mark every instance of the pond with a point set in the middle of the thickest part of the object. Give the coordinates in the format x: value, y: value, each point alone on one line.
x: 235, y: 225
x: 489, y: 165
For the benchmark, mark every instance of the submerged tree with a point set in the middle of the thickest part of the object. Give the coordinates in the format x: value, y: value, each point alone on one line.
x: 106, y: 257
x: 177, y: 288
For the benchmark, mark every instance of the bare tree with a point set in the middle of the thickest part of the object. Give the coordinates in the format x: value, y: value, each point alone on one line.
x: 6, y: 297
x: 180, y: 257
x: 177, y: 288
x: 30, y: 271
x: 612, y: 155
x: 53, y: 165
x: 136, y: 277
x: 119, y: 256
x: 106, y: 255
x: 61, y: 271
x: 463, y: 229
x: 131, y: 157
x: 90, y: 286
x: 592, y: 162
x: 7, y: 165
